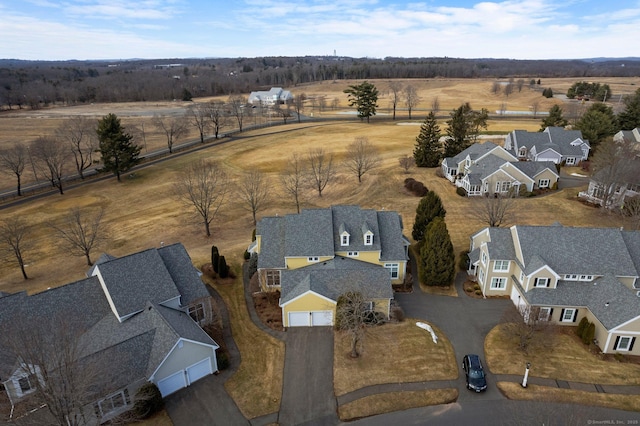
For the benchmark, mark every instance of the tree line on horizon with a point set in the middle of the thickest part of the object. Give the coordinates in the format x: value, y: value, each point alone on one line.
x: 37, y: 84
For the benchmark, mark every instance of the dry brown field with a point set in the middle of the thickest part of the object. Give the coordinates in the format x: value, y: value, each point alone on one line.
x: 142, y: 212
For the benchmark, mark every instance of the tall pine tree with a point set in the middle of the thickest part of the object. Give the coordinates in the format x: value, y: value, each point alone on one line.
x: 630, y: 118
x: 119, y: 152
x: 554, y: 119
x: 427, y: 152
x: 463, y: 128
x: 429, y: 208
x: 436, y: 255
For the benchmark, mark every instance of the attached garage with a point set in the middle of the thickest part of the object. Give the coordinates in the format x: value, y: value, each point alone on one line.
x: 199, y: 370
x: 310, y: 318
x: 173, y: 383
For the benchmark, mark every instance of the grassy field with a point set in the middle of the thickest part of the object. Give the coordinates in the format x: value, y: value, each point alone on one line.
x: 393, y: 353
x: 141, y: 211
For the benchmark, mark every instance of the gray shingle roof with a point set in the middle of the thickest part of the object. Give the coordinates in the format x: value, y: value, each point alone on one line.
x: 501, y: 245
x: 573, y: 250
x: 135, y: 279
x: 474, y: 152
x: 555, y: 138
x: 623, y: 305
x: 316, y: 232
x: 335, y: 277
x: 184, y: 275
x: 534, y: 168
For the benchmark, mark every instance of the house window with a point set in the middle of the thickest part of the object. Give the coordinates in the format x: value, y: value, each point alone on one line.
x: 543, y: 183
x: 571, y: 277
x: 27, y: 384
x: 273, y: 278
x: 498, y: 283
x: 484, y: 258
x: 501, y: 265
x: 505, y: 186
x: 586, y: 277
x: 313, y: 259
x: 624, y: 343
x: 197, y: 312
x: 367, y: 306
x: 568, y: 315
x: 393, y: 269
x: 521, y: 277
x: 112, y: 403
x: 522, y: 151
x: 344, y: 241
x: 481, y: 275
x: 368, y: 239
x: 353, y: 254
x: 545, y: 314
x: 570, y: 161
x: 542, y: 282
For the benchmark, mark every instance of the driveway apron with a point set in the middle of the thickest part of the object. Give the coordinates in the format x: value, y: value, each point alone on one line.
x: 307, y: 396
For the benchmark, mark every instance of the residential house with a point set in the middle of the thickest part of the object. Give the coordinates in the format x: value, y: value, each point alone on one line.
x: 487, y: 168
x: 630, y: 135
x: 276, y: 95
x: 319, y: 254
x: 568, y: 273
x: 135, y: 319
x: 554, y: 144
x: 603, y: 189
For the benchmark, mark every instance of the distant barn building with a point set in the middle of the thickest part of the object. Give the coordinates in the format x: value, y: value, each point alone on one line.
x: 271, y: 97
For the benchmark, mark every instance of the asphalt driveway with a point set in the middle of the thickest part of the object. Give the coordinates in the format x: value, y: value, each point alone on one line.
x: 307, y: 396
x: 464, y: 320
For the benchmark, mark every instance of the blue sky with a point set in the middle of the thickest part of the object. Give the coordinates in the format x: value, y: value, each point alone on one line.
x: 122, y: 29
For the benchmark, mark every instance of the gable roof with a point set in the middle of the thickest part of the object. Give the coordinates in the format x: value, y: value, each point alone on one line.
x: 534, y: 168
x: 568, y: 143
x: 316, y: 232
x: 336, y: 277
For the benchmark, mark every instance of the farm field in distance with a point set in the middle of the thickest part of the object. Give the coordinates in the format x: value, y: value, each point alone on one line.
x: 142, y: 212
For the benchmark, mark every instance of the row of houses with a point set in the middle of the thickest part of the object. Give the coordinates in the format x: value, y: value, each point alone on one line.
x: 526, y: 162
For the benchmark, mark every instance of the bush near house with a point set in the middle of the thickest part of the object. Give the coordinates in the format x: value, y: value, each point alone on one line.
x: 461, y: 191
x: 148, y: 401
x: 417, y: 188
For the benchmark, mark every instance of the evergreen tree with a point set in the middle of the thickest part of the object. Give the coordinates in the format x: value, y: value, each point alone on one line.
x: 629, y: 119
x: 554, y: 119
x: 223, y: 269
x: 429, y: 208
x: 427, y: 150
x: 437, y: 256
x: 119, y: 152
x: 365, y: 97
x: 463, y: 128
x: 215, y: 257
x: 598, y: 123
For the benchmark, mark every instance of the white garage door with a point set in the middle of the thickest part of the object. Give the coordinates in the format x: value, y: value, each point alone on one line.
x: 322, y: 318
x: 172, y: 383
x: 299, y: 319
x: 199, y: 370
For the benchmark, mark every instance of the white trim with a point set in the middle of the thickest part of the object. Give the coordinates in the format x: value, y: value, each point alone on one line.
x: 180, y: 340
x: 573, y: 314
x: 497, y: 280
x: 495, y: 262
x: 547, y: 267
x: 619, y: 339
x: 304, y: 294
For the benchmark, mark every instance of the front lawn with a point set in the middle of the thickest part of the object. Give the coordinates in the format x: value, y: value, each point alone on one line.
x: 392, y: 353
x: 559, y: 355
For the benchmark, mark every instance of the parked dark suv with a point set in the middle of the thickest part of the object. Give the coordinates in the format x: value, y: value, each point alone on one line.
x: 474, y: 373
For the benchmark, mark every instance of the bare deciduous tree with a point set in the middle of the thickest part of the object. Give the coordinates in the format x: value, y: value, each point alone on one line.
x: 293, y: 178
x: 254, y: 192
x: 411, y: 98
x: 435, y: 105
x: 284, y: 113
x: 494, y: 209
x: 535, y: 106
x: 527, y: 323
x: 298, y: 104
x: 79, y: 133
x: 199, y: 116
x: 237, y: 104
x: 353, y: 315
x: 204, y: 186
x: 320, y: 169
x: 361, y: 157
x: 50, y: 156
x: 13, y: 160
x: 15, y: 241
x: 173, y: 128
x: 81, y: 232
x: 395, y: 90
x: 614, y: 165
x: 64, y: 383
x: 632, y: 209
x: 407, y: 162
x: 217, y: 116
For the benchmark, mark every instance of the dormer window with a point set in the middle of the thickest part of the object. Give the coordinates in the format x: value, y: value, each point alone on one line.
x: 368, y: 239
x: 523, y: 151
x: 344, y: 239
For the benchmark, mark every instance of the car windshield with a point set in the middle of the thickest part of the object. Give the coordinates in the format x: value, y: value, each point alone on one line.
x: 476, y: 374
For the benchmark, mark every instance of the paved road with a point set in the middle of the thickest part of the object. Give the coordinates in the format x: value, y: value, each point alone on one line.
x: 307, y: 395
